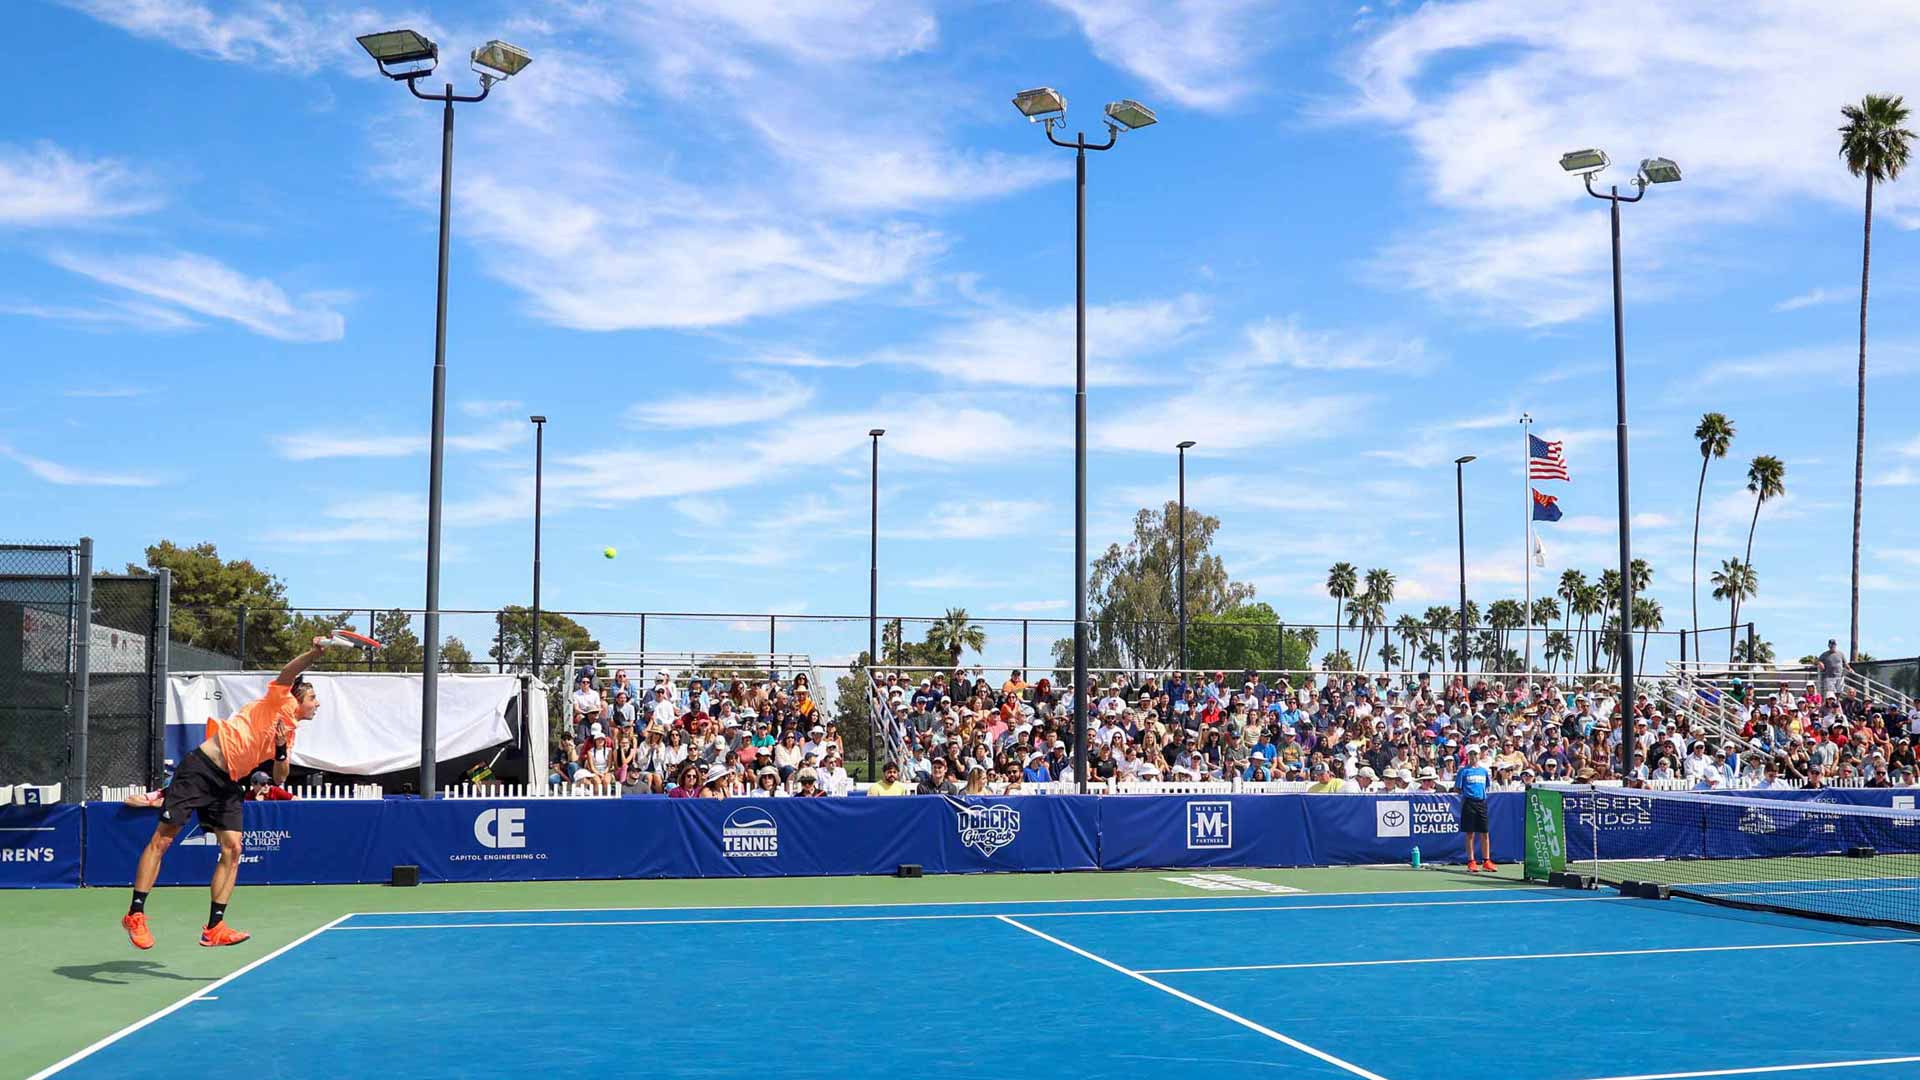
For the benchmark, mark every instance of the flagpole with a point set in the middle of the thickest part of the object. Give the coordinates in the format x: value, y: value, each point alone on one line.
x: 1526, y: 543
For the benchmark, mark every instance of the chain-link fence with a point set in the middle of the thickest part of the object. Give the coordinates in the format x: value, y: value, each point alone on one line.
x: 38, y: 599
x: 126, y: 708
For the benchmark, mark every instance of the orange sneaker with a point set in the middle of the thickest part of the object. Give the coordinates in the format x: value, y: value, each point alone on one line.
x: 137, y: 932
x: 1473, y: 867
x: 222, y: 935
x: 1489, y: 867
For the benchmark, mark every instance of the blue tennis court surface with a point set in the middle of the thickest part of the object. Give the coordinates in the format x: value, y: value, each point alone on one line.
x: 1529, y: 983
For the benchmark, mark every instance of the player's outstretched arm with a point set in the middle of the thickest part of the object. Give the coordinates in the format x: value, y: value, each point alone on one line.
x: 302, y: 662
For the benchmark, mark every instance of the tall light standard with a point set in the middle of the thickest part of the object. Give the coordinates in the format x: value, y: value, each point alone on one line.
x: 539, y: 469
x: 1183, y: 447
x: 1586, y: 164
x: 1045, y: 105
x: 873, y: 582
x: 407, y: 56
x: 1460, y: 511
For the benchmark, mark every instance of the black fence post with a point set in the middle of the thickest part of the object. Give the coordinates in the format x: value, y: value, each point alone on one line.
x: 1683, y: 646
x: 1280, y: 648
x: 500, y: 641
x: 773, y: 636
x: 643, y: 639
x: 1023, y: 645
x: 369, y: 652
x: 240, y: 636
x: 160, y: 661
x: 1751, y: 658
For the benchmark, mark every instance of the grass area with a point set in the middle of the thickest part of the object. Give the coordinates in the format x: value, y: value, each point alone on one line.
x: 72, y: 978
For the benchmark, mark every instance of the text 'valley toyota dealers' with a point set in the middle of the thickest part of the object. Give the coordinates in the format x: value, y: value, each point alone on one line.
x: 1404, y: 817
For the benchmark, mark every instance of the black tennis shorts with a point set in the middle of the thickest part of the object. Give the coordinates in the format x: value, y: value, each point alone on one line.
x: 1473, y: 815
x: 201, y: 786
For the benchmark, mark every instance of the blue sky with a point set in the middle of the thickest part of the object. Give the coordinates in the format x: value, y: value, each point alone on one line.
x: 716, y: 242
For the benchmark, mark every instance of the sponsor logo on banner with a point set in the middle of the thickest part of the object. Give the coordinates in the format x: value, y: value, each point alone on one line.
x: 502, y: 830
x: 1209, y: 825
x: 253, y: 842
x: 1903, y: 802
x: 27, y: 854
x: 1392, y: 817
x: 1609, y: 813
x: 1757, y: 822
x: 504, y: 827
x: 987, y: 829
x: 750, y: 833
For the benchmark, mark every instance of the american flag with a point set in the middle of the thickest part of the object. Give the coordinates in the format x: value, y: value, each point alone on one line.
x: 1545, y: 460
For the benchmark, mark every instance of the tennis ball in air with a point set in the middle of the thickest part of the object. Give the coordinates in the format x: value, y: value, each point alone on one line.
x: 609, y: 553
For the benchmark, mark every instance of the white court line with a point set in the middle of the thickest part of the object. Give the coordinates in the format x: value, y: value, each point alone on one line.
x: 1191, y: 1000
x: 28, y: 828
x: 1768, y: 1069
x: 933, y: 918
x: 1533, y: 956
x: 192, y: 996
x: 923, y: 903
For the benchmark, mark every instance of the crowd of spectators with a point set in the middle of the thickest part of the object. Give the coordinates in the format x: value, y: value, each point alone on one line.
x: 1348, y: 733
x: 712, y: 738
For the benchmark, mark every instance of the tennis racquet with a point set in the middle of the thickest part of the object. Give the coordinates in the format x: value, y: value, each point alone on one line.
x: 352, y: 640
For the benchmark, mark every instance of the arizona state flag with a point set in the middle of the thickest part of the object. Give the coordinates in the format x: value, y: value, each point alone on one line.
x: 1545, y: 507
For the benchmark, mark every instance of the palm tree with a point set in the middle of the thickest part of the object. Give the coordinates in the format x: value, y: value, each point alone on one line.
x: 1412, y: 634
x: 1647, y: 613
x: 1571, y: 582
x: 1767, y: 479
x: 954, y: 633
x: 1713, y: 434
x: 1365, y: 612
x: 1734, y: 582
x: 1380, y: 584
x: 1559, y: 648
x: 1642, y: 575
x: 1432, y: 652
x: 1389, y: 654
x: 1875, y: 147
x: 1587, y: 602
x: 1342, y: 579
x: 1609, y: 586
x: 1503, y: 616
x: 1545, y: 610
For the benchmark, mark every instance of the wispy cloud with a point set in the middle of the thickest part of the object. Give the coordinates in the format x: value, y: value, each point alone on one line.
x: 110, y: 315
x: 107, y: 392
x: 206, y: 286
x: 998, y: 344
x: 1285, y: 343
x: 69, y: 476
x: 763, y: 396
x: 1809, y: 299
x: 44, y: 184
x: 980, y: 519
x: 324, y: 445
x: 1200, y: 53
x: 272, y: 32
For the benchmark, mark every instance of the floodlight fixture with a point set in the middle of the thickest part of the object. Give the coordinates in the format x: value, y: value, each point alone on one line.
x: 1186, y: 444
x: 401, y: 47
x: 1041, y: 103
x: 1464, y: 460
x: 876, y: 432
x: 537, y: 419
x: 1130, y: 114
x: 501, y: 60
x: 1584, y: 162
x: 1659, y: 170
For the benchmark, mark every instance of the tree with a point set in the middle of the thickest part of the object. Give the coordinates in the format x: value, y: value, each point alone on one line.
x: 1648, y: 615
x: 954, y: 633
x: 1714, y: 433
x: 454, y: 655
x: 1874, y: 145
x: 1342, y: 579
x: 1760, y: 654
x: 1379, y: 594
x: 1132, y: 590
x: 1503, y: 616
x: 1243, y: 638
x: 1734, y: 582
x: 1337, y: 660
x: 559, y: 637
x: 1767, y: 479
x: 1571, y: 582
x: 1559, y: 648
x: 210, y: 593
x: 1412, y: 634
x: 1587, y: 603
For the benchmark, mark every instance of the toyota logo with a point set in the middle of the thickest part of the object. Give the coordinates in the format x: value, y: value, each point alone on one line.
x: 1393, y: 819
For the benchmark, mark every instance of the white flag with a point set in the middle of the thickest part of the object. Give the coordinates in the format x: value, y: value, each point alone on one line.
x: 1539, y: 553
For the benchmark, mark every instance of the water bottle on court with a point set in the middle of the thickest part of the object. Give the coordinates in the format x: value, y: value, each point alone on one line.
x: 1416, y: 856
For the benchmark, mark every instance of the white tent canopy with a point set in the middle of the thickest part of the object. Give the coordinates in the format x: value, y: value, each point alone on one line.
x: 369, y: 722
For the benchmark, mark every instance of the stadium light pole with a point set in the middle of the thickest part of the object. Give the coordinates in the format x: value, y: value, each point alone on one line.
x: 1460, y: 512
x: 1587, y: 164
x: 407, y: 56
x: 539, y: 469
x: 1045, y: 105
x: 873, y: 583
x: 1183, y: 446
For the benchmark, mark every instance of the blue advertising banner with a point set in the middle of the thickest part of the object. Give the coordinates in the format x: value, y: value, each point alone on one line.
x: 1198, y: 830
x: 285, y: 843
x: 653, y: 837
x: 1353, y: 829
x: 40, y: 846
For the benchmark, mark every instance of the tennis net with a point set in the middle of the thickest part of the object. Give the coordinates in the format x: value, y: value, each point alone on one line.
x: 1857, y: 864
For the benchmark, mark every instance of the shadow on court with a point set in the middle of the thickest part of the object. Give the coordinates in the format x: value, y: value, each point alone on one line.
x: 130, y: 969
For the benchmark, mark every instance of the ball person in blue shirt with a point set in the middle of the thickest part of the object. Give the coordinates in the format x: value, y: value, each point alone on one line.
x: 1472, y: 783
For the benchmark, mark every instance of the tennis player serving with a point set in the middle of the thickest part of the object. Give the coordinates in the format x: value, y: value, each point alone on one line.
x: 212, y: 782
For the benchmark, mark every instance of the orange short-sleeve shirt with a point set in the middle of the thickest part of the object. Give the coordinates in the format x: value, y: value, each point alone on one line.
x: 247, y: 738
